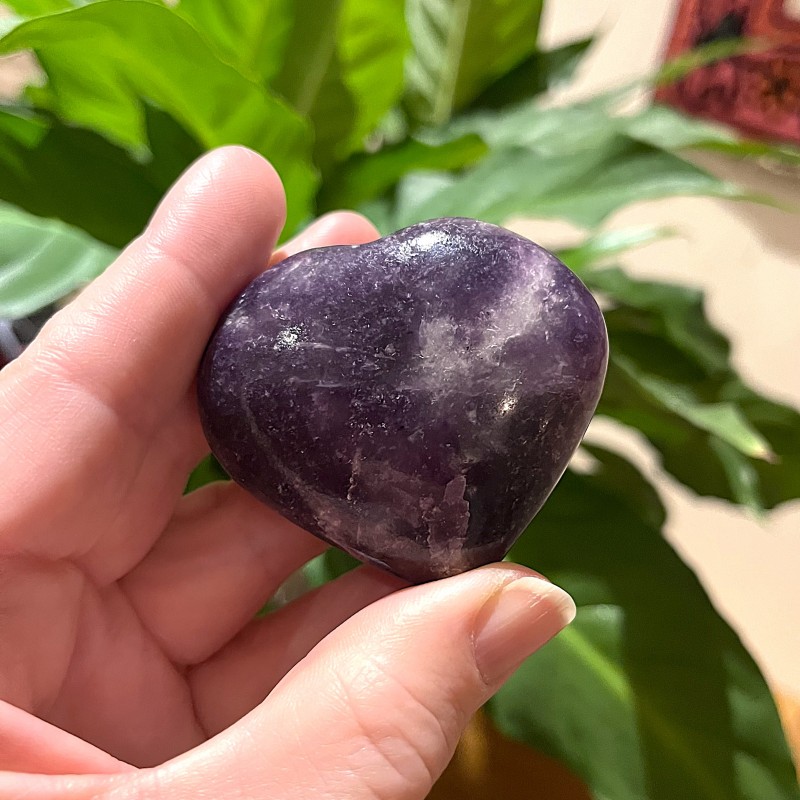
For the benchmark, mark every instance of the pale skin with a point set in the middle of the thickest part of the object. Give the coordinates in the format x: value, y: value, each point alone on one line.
x: 131, y: 661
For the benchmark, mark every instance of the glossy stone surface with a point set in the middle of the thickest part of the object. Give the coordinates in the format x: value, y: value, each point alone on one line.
x: 413, y: 400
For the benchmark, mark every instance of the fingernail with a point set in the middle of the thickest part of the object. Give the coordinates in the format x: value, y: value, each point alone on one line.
x: 517, y: 621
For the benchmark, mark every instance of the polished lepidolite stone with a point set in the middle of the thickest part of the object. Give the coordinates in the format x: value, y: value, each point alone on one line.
x: 413, y: 400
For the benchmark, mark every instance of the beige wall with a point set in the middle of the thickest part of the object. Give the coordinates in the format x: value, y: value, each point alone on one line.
x: 748, y: 259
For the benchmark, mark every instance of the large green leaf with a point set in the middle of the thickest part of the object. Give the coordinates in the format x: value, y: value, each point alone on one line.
x: 53, y: 170
x: 542, y: 71
x: 586, y: 124
x: 724, y: 420
x: 550, y: 131
x: 102, y: 58
x: 577, y: 162
x: 42, y: 260
x: 670, y: 377
x: 685, y: 63
x: 666, y: 128
x: 602, y: 245
x: 367, y: 176
x: 648, y: 695
x: 460, y: 47
x: 344, y: 69
x: 252, y: 36
x: 311, y: 52
x: 671, y: 312
x: 171, y: 148
x: 373, y: 44
x: 584, y: 186
x: 779, y: 480
x: 35, y: 8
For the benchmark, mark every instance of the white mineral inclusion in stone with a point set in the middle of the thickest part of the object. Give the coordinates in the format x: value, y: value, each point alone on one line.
x: 288, y: 337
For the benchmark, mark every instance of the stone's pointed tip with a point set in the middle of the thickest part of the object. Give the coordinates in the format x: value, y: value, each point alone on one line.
x: 413, y: 400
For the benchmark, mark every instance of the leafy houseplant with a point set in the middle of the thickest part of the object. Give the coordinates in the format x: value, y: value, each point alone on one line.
x: 426, y: 108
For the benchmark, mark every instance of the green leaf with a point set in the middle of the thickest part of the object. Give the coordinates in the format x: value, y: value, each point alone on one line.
x: 670, y: 377
x: 327, y: 567
x: 460, y: 47
x: 380, y: 213
x: 741, y: 474
x: 550, y: 131
x: 75, y: 175
x: 416, y: 187
x: 602, y: 246
x: 648, y: 695
x: 670, y: 312
x: 664, y: 127
x: 40, y: 8
x: 41, y: 260
x: 171, y: 147
x: 576, y: 162
x: 373, y: 44
x: 36, y: 8
x: 310, y: 53
x: 542, y: 71
x: 209, y: 470
x: 724, y: 420
x: 592, y: 123
x: 251, y: 36
x: 344, y: 69
x: 719, y: 50
x: 706, y: 463
x: 367, y: 176
x: 631, y: 174
x: 100, y: 62
x: 584, y: 186
x: 778, y: 481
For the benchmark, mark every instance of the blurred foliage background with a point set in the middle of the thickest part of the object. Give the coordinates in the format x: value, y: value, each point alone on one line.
x: 412, y: 109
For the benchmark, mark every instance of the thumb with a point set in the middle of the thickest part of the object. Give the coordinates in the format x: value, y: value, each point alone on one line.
x: 376, y: 709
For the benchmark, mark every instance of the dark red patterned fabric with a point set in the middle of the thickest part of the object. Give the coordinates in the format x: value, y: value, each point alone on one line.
x: 757, y: 93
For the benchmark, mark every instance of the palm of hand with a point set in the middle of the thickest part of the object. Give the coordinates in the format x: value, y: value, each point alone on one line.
x: 127, y: 615
x: 127, y: 630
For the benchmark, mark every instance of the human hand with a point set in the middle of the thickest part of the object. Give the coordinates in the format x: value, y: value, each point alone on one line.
x: 127, y: 630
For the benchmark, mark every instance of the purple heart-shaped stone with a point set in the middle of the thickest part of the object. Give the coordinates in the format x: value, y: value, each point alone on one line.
x: 413, y: 400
